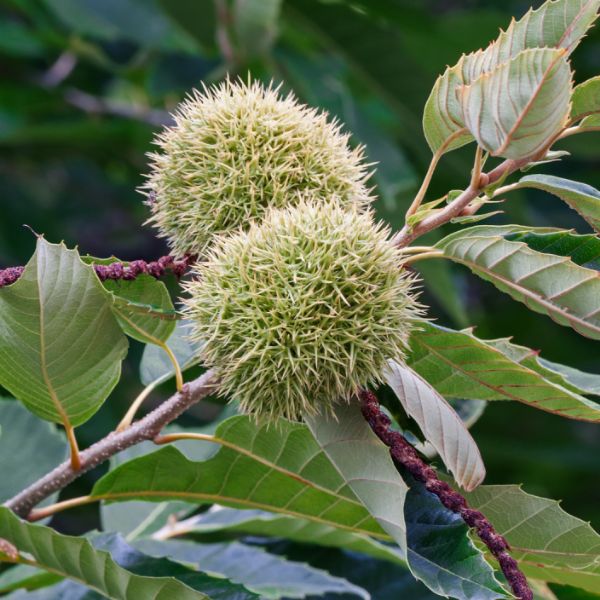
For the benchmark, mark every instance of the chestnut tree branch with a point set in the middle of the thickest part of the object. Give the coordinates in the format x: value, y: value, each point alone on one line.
x: 440, y: 217
x: 145, y: 429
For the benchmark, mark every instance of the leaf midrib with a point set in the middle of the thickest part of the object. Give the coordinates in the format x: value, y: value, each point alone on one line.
x: 43, y: 368
x: 552, y: 308
x: 217, y: 498
x: 502, y: 390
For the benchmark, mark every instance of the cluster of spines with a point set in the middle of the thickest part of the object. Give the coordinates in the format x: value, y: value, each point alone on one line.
x: 237, y: 150
x: 302, y: 310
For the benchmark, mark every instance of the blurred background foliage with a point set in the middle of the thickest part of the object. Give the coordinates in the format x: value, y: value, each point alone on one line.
x: 87, y: 83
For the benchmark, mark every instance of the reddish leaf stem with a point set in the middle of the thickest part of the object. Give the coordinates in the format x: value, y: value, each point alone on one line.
x: 406, y: 456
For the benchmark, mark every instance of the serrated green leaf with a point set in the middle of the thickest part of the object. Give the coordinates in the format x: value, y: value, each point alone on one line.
x: 281, y: 469
x: 29, y: 448
x: 458, y: 364
x: 581, y: 197
x: 210, y: 585
x: 267, y: 524
x: 552, y: 285
x: 443, y: 122
x: 515, y: 110
x: 75, y: 558
x: 585, y: 100
x: 549, y: 544
x: 366, y: 466
x: 143, y: 308
x: 582, y: 249
x: 155, y: 366
x: 586, y: 383
x: 440, y: 553
x: 266, y: 574
x: 440, y: 425
x: 556, y: 24
x: 61, y: 347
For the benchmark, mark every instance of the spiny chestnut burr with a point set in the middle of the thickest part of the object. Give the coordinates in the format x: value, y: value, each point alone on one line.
x: 239, y: 149
x: 302, y: 310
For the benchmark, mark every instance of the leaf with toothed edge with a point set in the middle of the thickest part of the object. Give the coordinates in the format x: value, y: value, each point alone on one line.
x: 75, y: 558
x: 585, y: 100
x: 281, y: 469
x: 555, y: 24
x: 60, y: 345
x: 518, y: 108
x: 581, y: 197
x: 435, y: 540
x: 440, y: 424
x: 458, y: 364
x: 552, y: 285
x: 548, y: 543
x: 143, y: 308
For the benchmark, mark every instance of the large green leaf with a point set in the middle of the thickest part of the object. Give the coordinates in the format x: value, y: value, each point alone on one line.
x: 515, y: 110
x: 581, y: 197
x: 440, y: 553
x: 271, y: 576
x: 60, y: 345
x: 549, y: 544
x: 29, y: 448
x: 440, y: 424
x: 75, y: 558
x: 458, y: 364
x: 365, y: 465
x: 546, y: 283
x: 586, y: 99
x: 435, y: 540
x: 555, y: 24
x: 136, y: 566
x: 224, y: 521
x: 143, y: 308
x: 135, y: 563
x: 281, y: 469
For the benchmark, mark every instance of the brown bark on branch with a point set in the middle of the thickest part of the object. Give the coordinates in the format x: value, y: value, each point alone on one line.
x: 438, y: 218
x: 144, y: 429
